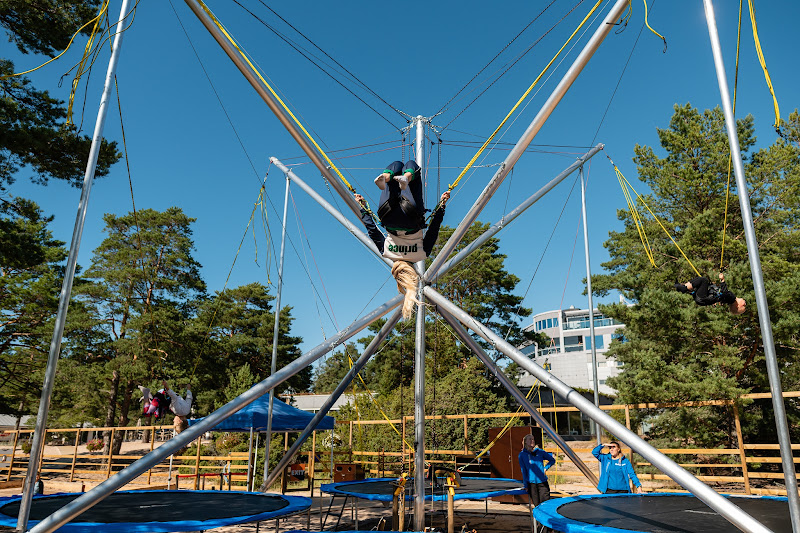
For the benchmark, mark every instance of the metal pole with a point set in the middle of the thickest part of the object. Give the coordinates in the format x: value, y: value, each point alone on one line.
x: 598, y: 432
x: 523, y: 401
x: 773, y: 372
x: 357, y: 233
x: 87, y: 500
x: 503, y: 222
x: 274, y: 106
x: 555, y: 97
x: 719, y: 503
x: 250, y: 469
x: 419, y: 374
x: 326, y: 407
x: 37, y: 443
x: 274, y: 363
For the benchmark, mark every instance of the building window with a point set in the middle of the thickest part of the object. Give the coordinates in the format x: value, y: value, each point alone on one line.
x: 555, y: 322
x: 549, y: 322
x: 602, y: 382
x: 598, y: 341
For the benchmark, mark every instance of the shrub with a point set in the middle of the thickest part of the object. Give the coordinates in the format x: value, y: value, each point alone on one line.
x: 95, y: 445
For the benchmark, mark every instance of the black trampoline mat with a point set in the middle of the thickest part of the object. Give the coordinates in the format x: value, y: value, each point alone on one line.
x: 468, y: 486
x: 683, y: 514
x: 160, y: 506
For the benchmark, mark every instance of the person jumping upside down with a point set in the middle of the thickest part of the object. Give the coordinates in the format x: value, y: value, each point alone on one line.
x: 402, y: 213
x: 706, y: 293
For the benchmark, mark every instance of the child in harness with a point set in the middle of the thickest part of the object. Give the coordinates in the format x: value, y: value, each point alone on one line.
x: 401, y: 211
x: 707, y: 293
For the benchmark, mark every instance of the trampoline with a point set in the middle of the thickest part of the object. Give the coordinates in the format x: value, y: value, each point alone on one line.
x: 162, y: 510
x: 655, y: 513
x: 382, y: 489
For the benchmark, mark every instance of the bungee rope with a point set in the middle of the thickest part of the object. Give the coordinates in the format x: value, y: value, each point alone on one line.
x: 257, y: 72
x: 627, y: 188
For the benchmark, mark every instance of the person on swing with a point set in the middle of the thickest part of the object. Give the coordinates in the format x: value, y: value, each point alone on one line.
x: 401, y: 211
x: 706, y: 293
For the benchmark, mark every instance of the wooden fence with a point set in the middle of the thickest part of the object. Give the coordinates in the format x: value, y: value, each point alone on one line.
x: 96, y: 467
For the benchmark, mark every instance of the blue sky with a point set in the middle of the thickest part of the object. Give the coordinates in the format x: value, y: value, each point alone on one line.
x: 416, y: 56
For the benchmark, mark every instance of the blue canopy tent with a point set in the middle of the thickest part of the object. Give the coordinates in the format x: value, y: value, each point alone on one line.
x: 284, y: 418
x: 253, y: 419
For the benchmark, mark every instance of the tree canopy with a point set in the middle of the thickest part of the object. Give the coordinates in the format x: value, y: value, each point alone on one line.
x: 674, y: 350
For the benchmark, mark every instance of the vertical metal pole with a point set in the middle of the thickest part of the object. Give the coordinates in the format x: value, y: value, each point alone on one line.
x: 605, y: 27
x: 66, y: 288
x: 419, y: 374
x: 773, y: 372
x: 597, y: 429
x: 249, y: 459
x: 274, y: 363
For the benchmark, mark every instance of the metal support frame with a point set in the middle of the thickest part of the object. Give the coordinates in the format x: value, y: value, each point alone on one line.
x: 101, y: 491
x: 419, y: 371
x: 598, y: 432
x: 555, y: 97
x: 340, y: 389
x: 37, y: 443
x: 357, y: 233
x: 773, y: 371
x: 719, y: 503
x: 273, y: 105
x: 273, y: 366
x: 473, y: 345
x: 503, y: 222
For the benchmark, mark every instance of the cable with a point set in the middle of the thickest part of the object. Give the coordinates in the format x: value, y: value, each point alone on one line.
x: 357, y: 80
x: 443, y: 108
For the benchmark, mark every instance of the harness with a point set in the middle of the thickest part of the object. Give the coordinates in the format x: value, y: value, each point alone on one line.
x: 412, y: 214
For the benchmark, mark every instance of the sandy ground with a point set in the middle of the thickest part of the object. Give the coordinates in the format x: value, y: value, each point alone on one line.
x: 480, y: 516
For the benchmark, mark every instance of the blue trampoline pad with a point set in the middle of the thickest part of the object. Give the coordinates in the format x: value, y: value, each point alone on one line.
x: 162, y: 510
x: 382, y: 489
x: 655, y: 513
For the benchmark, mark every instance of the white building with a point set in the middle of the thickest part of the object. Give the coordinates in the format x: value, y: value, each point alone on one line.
x: 568, y: 356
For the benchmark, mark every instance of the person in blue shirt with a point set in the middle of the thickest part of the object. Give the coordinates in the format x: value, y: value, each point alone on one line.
x: 615, y: 470
x: 531, y: 463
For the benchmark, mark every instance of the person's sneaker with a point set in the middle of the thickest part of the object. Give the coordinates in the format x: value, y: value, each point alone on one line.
x: 382, y: 179
x: 403, y: 181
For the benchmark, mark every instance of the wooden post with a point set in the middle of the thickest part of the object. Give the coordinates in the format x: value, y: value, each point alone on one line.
x: 41, y: 453
x: 152, y: 445
x: 742, y: 454
x: 351, y: 441
x: 197, y: 464
x: 75, y: 454
x: 312, y: 463
x: 628, y: 425
x: 13, y: 452
x: 466, y: 440
x: 110, y: 452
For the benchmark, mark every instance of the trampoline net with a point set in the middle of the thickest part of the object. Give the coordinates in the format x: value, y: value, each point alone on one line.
x: 163, y: 506
x: 676, y: 513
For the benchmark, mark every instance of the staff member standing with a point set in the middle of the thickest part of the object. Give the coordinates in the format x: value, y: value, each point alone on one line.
x: 615, y: 470
x: 531, y: 463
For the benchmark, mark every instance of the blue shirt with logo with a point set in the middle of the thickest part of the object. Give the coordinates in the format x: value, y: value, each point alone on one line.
x: 532, y: 465
x: 614, y: 473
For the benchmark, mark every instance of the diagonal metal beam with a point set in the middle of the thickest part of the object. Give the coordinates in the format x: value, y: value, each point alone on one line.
x: 357, y: 233
x: 323, y: 410
x: 503, y: 222
x: 94, y: 496
x: 719, y: 503
x: 273, y: 105
x: 522, y: 144
x: 476, y: 348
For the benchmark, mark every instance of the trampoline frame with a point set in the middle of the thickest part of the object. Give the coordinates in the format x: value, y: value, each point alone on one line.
x: 296, y: 504
x: 333, y: 489
x: 547, y: 513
